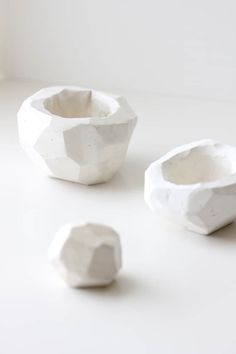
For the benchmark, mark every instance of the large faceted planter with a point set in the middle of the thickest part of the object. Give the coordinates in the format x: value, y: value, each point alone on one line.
x: 76, y: 134
x: 195, y: 185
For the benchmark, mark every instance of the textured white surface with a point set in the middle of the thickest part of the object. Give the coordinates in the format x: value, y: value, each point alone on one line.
x: 195, y: 185
x: 76, y: 134
x: 86, y: 254
x: 176, y: 291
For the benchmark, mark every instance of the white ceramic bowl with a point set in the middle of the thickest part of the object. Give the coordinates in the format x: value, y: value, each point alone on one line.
x: 195, y: 185
x: 76, y: 134
x: 86, y: 254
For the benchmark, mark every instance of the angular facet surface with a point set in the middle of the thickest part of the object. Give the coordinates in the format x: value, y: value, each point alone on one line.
x: 76, y: 134
x: 86, y: 254
x: 195, y: 185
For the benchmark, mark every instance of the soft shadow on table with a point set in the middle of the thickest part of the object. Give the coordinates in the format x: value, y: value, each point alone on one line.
x: 226, y: 234
x: 122, y: 286
x: 131, y: 174
x: 129, y: 177
x: 129, y: 288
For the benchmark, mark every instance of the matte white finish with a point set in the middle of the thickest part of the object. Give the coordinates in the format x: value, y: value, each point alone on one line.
x: 176, y: 291
x: 195, y: 184
x: 76, y: 134
x: 86, y: 254
x: 170, y: 47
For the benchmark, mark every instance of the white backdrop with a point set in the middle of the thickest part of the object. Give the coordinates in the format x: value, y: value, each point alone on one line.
x: 183, y: 47
x: 1, y: 37
x: 176, y: 292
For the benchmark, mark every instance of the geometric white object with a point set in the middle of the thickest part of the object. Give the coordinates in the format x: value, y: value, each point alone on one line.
x: 86, y: 254
x: 76, y: 134
x: 195, y: 185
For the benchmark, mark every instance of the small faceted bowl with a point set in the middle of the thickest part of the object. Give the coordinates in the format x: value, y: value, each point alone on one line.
x: 76, y: 134
x: 195, y: 185
x: 86, y: 254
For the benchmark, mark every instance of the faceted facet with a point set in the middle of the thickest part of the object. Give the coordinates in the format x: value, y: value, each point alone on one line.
x: 86, y: 254
x: 195, y: 185
x: 76, y: 134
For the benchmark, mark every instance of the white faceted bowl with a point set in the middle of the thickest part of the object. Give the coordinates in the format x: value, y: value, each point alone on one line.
x: 195, y: 185
x: 86, y: 254
x: 76, y: 134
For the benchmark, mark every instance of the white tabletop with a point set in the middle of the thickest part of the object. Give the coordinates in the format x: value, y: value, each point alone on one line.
x: 176, y: 293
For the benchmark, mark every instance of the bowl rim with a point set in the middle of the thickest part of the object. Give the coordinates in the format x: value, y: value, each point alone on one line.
x: 122, y: 112
x: 155, y: 175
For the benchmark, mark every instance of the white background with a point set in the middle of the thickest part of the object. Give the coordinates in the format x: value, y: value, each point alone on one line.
x: 174, y: 46
x: 176, y: 292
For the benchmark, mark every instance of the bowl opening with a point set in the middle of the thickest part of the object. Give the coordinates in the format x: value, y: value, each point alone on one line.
x: 78, y: 104
x: 199, y: 165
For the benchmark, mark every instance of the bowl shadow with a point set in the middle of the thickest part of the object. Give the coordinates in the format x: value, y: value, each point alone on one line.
x: 129, y: 177
x: 226, y: 233
x: 123, y: 286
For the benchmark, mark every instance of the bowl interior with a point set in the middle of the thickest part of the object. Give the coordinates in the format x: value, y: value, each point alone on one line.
x: 78, y: 104
x: 200, y: 165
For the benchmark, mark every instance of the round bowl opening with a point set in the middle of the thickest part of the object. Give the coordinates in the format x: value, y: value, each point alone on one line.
x: 78, y: 104
x: 199, y: 165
